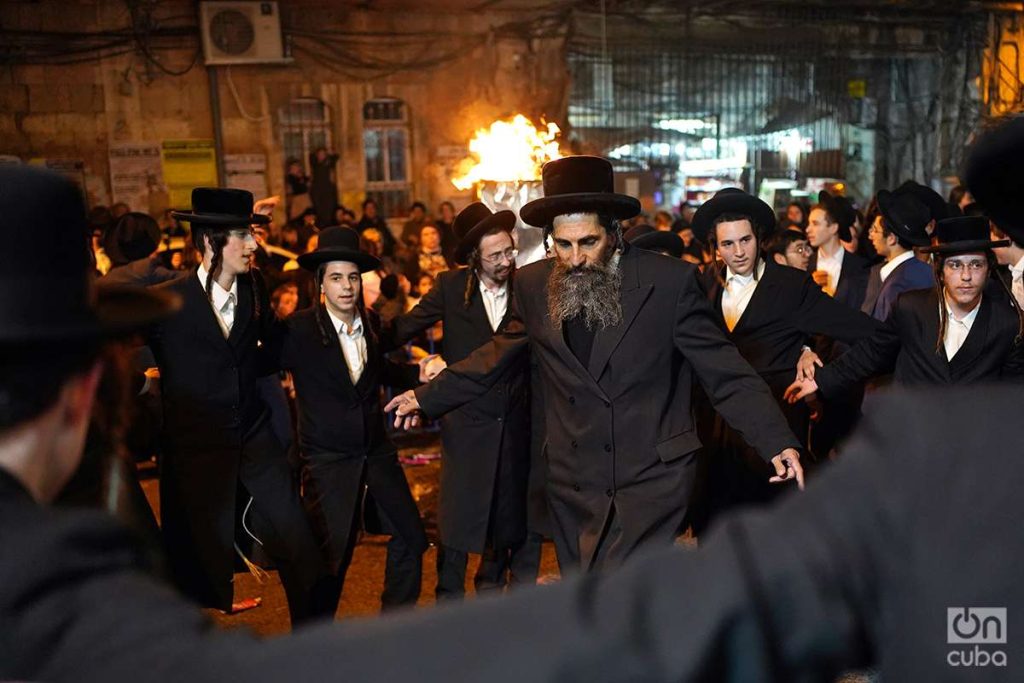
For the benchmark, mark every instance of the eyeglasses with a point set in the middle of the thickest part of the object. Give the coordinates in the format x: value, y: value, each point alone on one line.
x: 802, y: 250
x: 497, y: 257
x: 975, y: 265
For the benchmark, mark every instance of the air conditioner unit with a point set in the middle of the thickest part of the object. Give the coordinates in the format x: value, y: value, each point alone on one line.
x: 239, y: 32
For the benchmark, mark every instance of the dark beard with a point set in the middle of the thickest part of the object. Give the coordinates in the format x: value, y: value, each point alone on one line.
x: 589, y: 292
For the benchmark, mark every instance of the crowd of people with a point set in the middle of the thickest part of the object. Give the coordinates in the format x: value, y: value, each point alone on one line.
x: 640, y: 381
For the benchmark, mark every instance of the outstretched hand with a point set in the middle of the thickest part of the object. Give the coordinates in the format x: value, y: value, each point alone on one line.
x: 407, y: 410
x: 787, y: 467
x: 800, y: 389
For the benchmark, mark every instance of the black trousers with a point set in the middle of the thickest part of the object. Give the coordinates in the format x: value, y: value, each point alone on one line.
x: 333, y: 493
x: 276, y: 517
x: 499, y: 567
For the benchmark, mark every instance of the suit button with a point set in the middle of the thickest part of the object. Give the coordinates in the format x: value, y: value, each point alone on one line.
x: 607, y: 404
x: 608, y: 493
x: 572, y: 400
x: 574, y: 444
x: 500, y: 419
x: 607, y: 448
x: 575, y: 487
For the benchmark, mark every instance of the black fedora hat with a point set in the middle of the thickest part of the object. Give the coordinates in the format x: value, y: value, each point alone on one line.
x: 578, y: 184
x: 473, y: 222
x: 735, y: 201
x: 841, y: 211
x: 963, y: 234
x: 938, y: 209
x: 905, y: 216
x: 134, y: 236
x: 994, y: 173
x: 46, y: 274
x: 221, y: 207
x: 339, y: 243
x: 652, y: 239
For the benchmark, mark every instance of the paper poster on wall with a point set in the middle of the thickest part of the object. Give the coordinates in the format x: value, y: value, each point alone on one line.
x: 247, y: 172
x: 187, y: 164
x: 135, y: 173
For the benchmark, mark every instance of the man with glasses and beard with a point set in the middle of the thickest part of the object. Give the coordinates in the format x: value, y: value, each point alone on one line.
x: 486, y: 444
x: 618, y: 334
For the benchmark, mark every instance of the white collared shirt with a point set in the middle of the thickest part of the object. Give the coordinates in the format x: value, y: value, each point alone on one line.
x: 1017, y: 286
x: 892, y: 265
x: 738, y: 291
x: 495, y: 303
x: 224, y: 300
x: 353, y: 345
x: 833, y: 265
x: 957, y: 330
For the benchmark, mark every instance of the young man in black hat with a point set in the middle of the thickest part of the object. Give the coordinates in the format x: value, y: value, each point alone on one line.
x: 899, y: 227
x: 334, y: 353
x: 224, y: 475
x: 618, y: 334
x: 965, y: 330
x: 486, y: 445
x: 769, y: 312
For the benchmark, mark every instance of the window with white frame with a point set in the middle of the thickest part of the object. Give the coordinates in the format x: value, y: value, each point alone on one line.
x: 305, y: 127
x: 386, y: 154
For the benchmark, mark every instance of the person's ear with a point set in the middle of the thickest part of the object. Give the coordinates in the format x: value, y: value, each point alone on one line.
x: 780, y: 259
x: 79, y: 393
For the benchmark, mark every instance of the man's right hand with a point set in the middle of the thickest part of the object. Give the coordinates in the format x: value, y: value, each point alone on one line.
x: 407, y: 410
x: 801, y: 389
x: 821, y: 278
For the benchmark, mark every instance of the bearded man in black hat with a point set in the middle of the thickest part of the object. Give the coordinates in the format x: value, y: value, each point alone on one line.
x: 334, y: 352
x: 769, y: 312
x: 618, y: 334
x: 486, y: 444
x: 223, y: 469
x: 967, y: 329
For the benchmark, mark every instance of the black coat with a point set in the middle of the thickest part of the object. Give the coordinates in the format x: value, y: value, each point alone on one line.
x: 210, y: 403
x: 858, y: 571
x: 620, y: 433
x: 477, y: 436
x: 906, y: 346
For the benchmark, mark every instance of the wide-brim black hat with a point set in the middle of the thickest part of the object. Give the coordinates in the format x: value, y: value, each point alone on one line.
x: 339, y: 243
x: 47, y: 273
x: 963, y: 234
x: 905, y: 216
x: 578, y: 184
x: 735, y: 201
x: 134, y: 236
x: 221, y: 207
x: 938, y: 209
x: 652, y: 239
x: 475, y: 221
x: 994, y: 173
x: 841, y: 211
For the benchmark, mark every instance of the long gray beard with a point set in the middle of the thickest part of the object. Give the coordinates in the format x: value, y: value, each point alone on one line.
x: 592, y: 294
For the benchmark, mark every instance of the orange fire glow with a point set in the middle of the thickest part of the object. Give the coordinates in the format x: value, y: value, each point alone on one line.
x: 512, y: 150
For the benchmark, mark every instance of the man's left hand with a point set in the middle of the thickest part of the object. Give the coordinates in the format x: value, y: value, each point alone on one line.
x: 787, y: 466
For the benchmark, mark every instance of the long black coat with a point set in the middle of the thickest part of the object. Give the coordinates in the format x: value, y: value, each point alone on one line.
x: 905, y: 346
x: 477, y: 436
x: 620, y: 434
x: 341, y: 421
x: 210, y: 404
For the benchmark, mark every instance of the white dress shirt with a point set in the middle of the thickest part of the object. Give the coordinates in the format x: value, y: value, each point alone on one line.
x: 957, y: 330
x: 1017, y: 286
x: 890, y: 266
x: 495, y: 303
x: 738, y: 291
x: 224, y: 300
x: 353, y: 345
x: 832, y: 265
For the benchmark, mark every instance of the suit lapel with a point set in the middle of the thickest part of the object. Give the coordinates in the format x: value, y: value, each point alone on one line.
x: 244, y: 311
x: 762, y: 293
x: 337, y: 366
x: 633, y: 297
x: 977, y: 341
x: 930, y: 336
x: 206, y: 321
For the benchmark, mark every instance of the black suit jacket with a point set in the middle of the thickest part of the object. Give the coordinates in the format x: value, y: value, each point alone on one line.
x: 493, y: 428
x: 906, y: 346
x: 853, y: 278
x: 620, y: 431
x: 858, y: 571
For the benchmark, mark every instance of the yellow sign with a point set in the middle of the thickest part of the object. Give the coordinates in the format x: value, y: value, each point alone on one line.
x: 857, y: 89
x: 187, y: 164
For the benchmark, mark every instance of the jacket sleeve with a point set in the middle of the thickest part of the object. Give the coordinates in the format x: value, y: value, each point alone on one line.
x: 736, y: 391
x: 475, y: 374
x: 869, y: 358
x: 821, y: 314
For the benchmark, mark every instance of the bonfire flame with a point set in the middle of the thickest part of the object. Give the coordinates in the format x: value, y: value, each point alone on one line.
x: 508, y: 151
